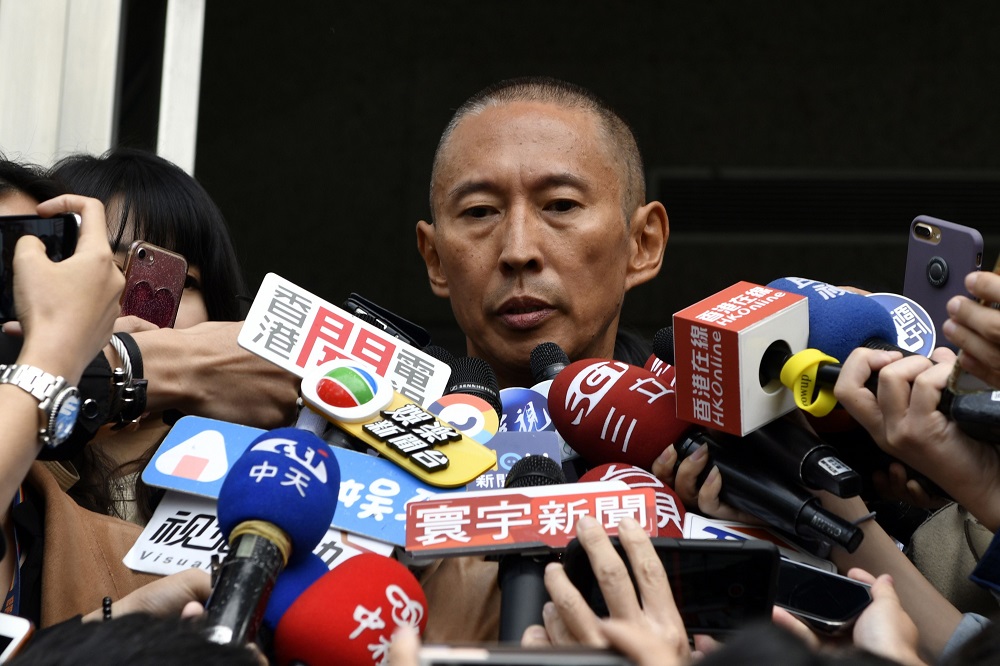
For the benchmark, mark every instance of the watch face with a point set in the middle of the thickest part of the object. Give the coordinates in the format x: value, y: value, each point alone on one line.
x: 65, y: 418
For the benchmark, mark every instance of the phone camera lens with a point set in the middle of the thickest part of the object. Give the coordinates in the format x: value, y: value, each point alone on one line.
x: 923, y: 231
x: 141, y: 253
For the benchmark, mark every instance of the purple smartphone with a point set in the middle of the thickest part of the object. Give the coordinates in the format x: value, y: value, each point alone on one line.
x: 939, y: 255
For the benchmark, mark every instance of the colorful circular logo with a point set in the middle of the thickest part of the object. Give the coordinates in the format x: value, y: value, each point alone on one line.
x: 472, y: 416
x: 345, y: 391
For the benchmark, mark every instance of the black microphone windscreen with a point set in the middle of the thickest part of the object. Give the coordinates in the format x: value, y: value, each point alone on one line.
x: 663, y: 344
x: 547, y: 360
x: 474, y: 376
x: 439, y: 352
x: 535, y: 471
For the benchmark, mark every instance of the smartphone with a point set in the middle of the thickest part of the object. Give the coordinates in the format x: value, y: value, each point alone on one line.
x: 509, y: 655
x: 718, y: 585
x: 154, y: 283
x: 939, y: 254
x: 393, y: 324
x: 14, y: 633
x: 59, y: 234
x: 827, y: 602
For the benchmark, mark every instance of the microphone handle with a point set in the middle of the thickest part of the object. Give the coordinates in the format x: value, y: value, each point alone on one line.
x: 238, y: 600
x: 521, y: 579
x: 802, y: 458
x: 750, y: 487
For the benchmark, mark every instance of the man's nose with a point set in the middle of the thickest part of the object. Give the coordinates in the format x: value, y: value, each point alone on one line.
x: 523, y: 241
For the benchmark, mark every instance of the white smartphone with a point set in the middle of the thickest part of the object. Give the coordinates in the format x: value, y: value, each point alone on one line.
x: 14, y: 633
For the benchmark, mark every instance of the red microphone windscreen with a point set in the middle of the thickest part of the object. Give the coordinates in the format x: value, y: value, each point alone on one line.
x: 669, y: 509
x: 610, y: 411
x: 348, y: 616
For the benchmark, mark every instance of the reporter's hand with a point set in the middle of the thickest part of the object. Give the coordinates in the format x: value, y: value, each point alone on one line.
x: 134, y: 324
x: 975, y: 328
x: 218, y: 379
x: 896, y: 484
x: 905, y: 422
x: 67, y: 309
x: 704, y: 500
x: 405, y: 647
x: 647, y: 627
x: 884, y: 628
x: 178, y: 594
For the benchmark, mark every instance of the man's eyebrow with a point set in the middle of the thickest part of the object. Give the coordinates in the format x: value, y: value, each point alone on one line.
x: 564, y: 178
x: 471, y: 187
x: 547, y: 181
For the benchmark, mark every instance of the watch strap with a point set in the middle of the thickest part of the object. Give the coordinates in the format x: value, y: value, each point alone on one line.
x: 43, y: 385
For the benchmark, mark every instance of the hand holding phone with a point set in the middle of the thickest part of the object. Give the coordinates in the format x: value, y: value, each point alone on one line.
x: 718, y: 585
x: 829, y: 603
x: 154, y: 283
x: 59, y: 233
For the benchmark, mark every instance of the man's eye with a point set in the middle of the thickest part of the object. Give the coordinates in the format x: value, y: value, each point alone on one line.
x: 478, y: 212
x: 562, y: 205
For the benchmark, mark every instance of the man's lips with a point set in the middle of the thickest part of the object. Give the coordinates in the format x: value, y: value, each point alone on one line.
x: 524, y: 313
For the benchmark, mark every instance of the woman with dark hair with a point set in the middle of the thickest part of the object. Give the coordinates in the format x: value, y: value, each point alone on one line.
x: 149, y: 198
x: 152, y: 199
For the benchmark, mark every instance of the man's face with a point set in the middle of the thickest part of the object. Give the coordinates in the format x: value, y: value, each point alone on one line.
x: 529, y: 241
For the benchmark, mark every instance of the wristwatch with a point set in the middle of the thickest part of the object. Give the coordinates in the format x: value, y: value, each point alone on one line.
x: 58, y: 403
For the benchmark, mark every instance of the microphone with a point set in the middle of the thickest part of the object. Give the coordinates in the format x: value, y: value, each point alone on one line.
x: 349, y: 614
x: 794, y: 452
x: 747, y: 486
x: 521, y: 577
x: 440, y: 353
x: 719, y: 343
x: 840, y: 321
x: 669, y: 508
x: 797, y: 453
x: 610, y: 411
x: 471, y: 401
x: 473, y: 376
x: 275, y: 506
x: 365, y: 405
x: 290, y: 585
x: 547, y: 360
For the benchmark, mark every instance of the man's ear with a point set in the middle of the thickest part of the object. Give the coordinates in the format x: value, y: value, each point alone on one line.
x: 428, y: 250
x: 650, y: 230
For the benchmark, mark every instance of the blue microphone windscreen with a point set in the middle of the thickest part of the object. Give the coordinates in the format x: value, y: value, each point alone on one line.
x: 291, y: 583
x: 839, y: 321
x: 287, y: 477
